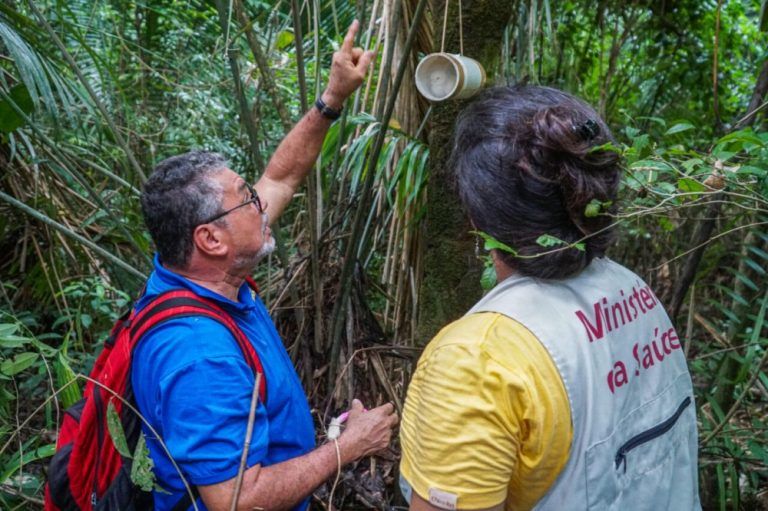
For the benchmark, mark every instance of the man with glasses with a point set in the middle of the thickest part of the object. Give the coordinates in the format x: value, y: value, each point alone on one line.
x: 190, y: 379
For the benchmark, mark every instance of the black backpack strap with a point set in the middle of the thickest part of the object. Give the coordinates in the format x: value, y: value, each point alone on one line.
x: 186, y: 500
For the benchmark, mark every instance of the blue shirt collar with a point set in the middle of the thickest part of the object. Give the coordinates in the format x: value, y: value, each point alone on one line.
x: 163, y: 279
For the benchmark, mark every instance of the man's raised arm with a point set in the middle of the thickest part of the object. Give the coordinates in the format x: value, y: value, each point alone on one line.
x: 298, y: 151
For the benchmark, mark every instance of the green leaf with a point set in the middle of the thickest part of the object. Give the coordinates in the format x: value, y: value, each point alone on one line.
x: 679, y: 128
x: 141, y: 469
x: 658, y: 120
x: 492, y: 243
x: 8, y: 337
x: 14, y: 341
x: 20, y: 362
x: 755, y: 266
x: 66, y: 377
x: 758, y: 252
x: 547, y: 240
x: 666, y: 188
x: 688, y: 184
x: 17, y: 462
x: 742, y: 137
x: 593, y: 208
x: 639, y: 144
x: 752, y: 170
x: 284, y: 39
x: 488, y: 278
x: 8, y: 329
x: 116, y: 432
x: 666, y: 224
x: 691, y: 164
x: 608, y: 147
x: 9, y: 117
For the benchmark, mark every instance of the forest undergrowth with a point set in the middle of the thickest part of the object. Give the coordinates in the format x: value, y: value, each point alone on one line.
x: 369, y: 264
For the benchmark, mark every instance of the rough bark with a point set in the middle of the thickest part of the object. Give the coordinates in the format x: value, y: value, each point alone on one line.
x: 451, y: 282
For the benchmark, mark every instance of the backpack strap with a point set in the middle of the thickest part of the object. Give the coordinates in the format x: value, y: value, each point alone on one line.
x: 186, y: 500
x: 252, y: 284
x: 179, y: 303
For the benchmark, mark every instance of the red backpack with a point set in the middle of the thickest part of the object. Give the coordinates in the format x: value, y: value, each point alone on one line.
x: 87, y: 472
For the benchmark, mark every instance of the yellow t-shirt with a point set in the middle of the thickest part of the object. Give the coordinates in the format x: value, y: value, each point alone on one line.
x: 486, y: 417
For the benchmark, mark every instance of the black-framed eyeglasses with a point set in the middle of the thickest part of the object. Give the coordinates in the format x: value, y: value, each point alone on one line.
x: 254, y: 199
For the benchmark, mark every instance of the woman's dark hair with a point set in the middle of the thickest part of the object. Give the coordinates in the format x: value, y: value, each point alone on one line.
x: 528, y: 164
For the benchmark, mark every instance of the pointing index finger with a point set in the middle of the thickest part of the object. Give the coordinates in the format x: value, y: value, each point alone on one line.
x: 349, y: 39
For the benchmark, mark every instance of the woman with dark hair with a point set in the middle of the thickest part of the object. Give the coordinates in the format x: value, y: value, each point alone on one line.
x: 565, y: 387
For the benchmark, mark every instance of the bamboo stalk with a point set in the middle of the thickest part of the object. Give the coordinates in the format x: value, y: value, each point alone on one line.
x: 379, y: 36
x: 67, y: 232
x: 261, y: 62
x: 355, y: 241
x: 245, y: 112
x: 367, y: 45
x: 297, y: 39
x: 315, y: 209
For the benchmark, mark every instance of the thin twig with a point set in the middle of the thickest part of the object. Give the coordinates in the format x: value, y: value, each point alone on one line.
x: 247, y: 443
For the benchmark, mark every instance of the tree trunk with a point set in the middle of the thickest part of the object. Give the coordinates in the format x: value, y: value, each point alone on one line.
x: 451, y: 282
x: 758, y: 95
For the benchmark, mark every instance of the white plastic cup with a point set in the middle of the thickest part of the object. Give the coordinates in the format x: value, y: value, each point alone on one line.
x: 443, y: 76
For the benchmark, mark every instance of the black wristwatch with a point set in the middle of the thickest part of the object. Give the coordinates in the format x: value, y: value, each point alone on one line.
x: 326, y: 111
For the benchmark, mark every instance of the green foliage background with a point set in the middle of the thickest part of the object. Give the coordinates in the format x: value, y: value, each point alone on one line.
x: 93, y: 94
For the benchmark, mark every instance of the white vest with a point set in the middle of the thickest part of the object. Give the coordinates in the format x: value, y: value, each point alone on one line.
x: 634, y: 421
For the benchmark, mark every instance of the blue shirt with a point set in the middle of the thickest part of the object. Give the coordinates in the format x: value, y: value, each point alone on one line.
x: 192, y: 384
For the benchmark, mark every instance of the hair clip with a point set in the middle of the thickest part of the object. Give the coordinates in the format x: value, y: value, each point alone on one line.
x: 587, y: 130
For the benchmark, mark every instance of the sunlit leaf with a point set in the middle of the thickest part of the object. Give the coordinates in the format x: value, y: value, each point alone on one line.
x: 284, y: 39
x: 14, y: 341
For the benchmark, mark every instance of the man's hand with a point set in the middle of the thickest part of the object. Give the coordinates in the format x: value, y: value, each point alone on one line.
x: 347, y: 70
x: 367, y: 432
x: 298, y: 151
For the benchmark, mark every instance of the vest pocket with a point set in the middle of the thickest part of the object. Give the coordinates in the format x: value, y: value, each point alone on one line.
x: 649, y: 434
x: 649, y: 460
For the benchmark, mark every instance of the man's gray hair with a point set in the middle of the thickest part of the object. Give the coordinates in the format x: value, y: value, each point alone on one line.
x: 178, y: 196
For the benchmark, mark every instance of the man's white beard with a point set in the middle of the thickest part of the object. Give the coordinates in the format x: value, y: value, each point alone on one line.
x: 249, y: 261
x: 267, y: 248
